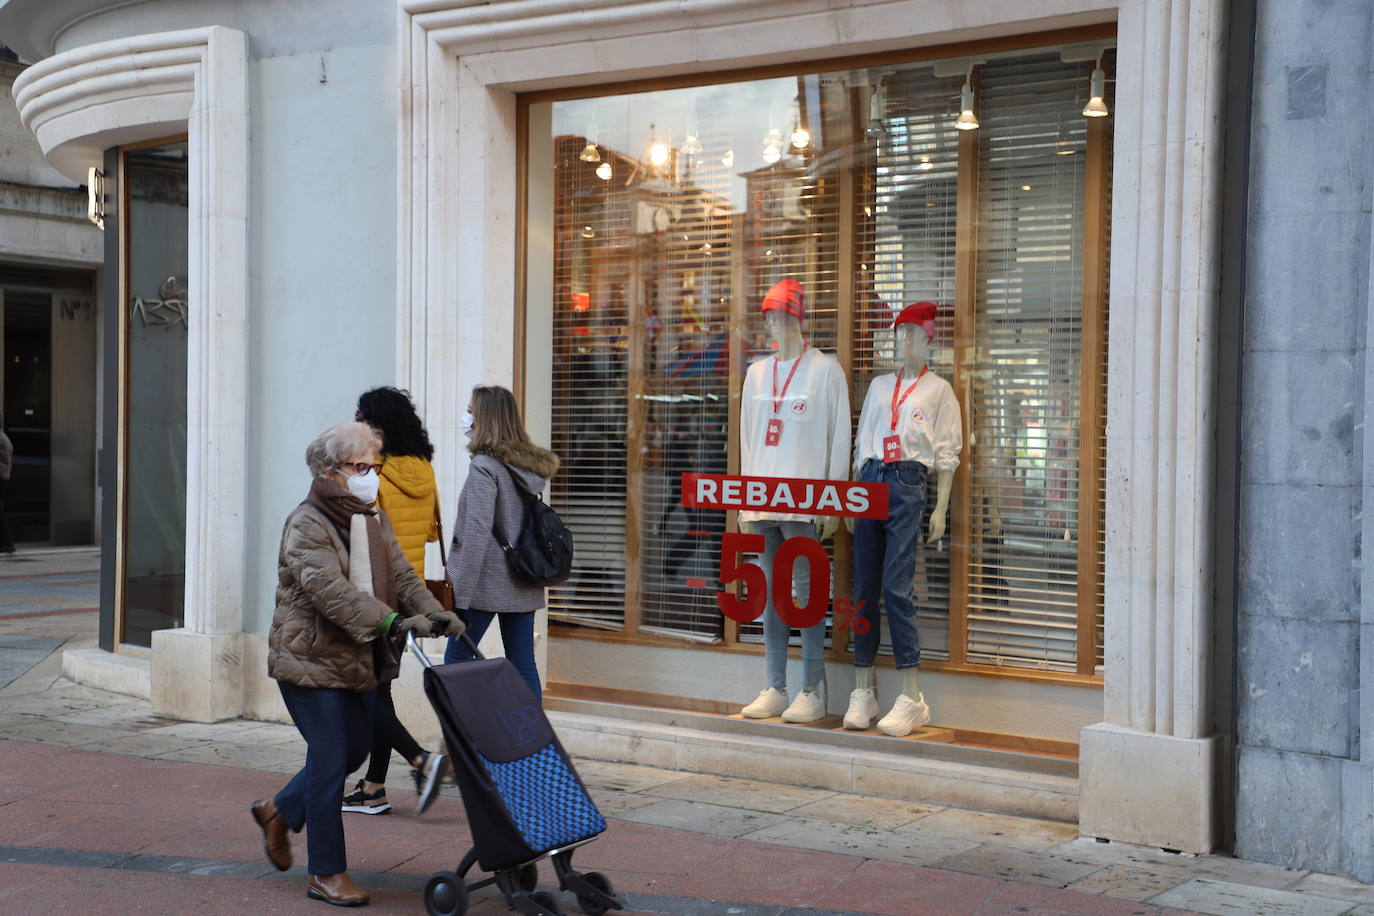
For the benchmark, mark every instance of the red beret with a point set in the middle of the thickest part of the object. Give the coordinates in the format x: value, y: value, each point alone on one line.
x: 788, y: 296
x: 922, y: 313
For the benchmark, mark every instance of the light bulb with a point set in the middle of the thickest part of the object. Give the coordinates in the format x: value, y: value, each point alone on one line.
x: 925, y: 165
x: 603, y: 171
x: 801, y: 138
x: 967, y: 120
x: 588, y: 232
x: 691, y: 146
x: 590, y: 153
x: 658, y: 154
x: 1096, y: 108
x: 771, y: 153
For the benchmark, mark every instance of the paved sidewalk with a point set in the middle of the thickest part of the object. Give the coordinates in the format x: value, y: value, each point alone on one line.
x: 104, y: 806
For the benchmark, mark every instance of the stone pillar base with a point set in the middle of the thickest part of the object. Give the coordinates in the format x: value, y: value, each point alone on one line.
x: 1147, y: 789
x: 197, y: 676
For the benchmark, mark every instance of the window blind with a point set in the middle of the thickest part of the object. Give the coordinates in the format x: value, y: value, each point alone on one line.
x: 906, y: 235
x: 593, y: 289
x: 1024, y: 414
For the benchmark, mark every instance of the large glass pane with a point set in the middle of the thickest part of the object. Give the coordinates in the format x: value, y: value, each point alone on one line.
x: 663, y: 218
x: 28, y: 411
x: 155, y: 326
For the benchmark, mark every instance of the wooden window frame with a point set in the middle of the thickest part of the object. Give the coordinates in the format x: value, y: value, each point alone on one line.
x: 1092, y: 355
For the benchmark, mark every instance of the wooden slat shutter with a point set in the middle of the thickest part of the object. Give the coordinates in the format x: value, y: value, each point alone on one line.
x: 1024, y: 415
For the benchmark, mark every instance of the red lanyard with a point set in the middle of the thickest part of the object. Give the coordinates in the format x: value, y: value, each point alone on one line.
x: 897, y: 403
x: 777, y: 398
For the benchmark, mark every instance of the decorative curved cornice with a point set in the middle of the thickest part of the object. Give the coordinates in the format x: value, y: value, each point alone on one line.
x: 82, y: 101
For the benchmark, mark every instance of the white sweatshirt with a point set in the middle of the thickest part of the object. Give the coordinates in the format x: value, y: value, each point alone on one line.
x: 928, y: 422
x: 814, y: 413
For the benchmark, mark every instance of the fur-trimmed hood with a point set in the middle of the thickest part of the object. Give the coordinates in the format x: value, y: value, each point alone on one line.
x: 523, y: 456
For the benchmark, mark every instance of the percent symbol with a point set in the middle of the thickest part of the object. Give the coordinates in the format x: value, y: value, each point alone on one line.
x: 848, y: 616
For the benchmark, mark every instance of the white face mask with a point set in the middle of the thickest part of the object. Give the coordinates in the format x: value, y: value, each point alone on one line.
x: 364, y: 486
x: 466, y: 423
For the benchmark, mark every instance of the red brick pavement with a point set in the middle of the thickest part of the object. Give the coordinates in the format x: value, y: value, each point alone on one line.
x: 66, y: 799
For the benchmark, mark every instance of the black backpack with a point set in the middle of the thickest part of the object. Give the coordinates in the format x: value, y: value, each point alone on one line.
x: 543, y: 553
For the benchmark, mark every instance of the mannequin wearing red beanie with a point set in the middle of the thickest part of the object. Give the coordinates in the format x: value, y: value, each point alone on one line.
x: 794, y: 423
x: 910, y: 428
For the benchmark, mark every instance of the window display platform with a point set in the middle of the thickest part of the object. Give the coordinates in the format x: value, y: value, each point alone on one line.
x: 923, y: 767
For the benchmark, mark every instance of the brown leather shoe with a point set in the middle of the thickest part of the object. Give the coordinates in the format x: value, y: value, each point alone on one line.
x: 336, y: 889
x: 276, y: 841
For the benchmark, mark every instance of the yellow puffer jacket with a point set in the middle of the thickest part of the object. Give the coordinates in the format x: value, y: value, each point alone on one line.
x: 410, y: 498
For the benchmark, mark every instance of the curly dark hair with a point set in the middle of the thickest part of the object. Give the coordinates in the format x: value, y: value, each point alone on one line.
x: 391, y: 413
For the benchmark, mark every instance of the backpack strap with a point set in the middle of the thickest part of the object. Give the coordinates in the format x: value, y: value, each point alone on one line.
x: 501, y: 540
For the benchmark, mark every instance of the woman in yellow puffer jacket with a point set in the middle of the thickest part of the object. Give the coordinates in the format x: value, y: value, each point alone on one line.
x: 410, y: 498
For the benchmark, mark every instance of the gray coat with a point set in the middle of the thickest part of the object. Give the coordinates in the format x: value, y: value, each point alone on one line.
x: 477, y: 565
x: 6, y: 456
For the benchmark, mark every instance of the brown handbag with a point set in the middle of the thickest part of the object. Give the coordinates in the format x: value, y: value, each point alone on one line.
x: 441, y: 589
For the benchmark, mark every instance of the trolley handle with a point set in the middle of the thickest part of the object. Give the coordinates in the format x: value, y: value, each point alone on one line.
x: 413, y: 645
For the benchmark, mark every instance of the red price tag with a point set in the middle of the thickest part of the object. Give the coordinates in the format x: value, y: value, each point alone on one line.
x: 774, y: 432
x: 892, y: 449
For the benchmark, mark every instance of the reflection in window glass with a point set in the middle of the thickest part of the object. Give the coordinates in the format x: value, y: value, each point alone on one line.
x: 155, y: 317
x: 674, y: 211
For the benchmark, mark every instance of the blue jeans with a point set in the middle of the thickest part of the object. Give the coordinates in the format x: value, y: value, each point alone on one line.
x: 885, y: 561
x: 776, y: 633
x: 517, y: 635
x: 337, y: 728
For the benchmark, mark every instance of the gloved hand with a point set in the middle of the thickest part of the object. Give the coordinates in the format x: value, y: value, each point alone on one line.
x: 445, y: 623
x: 416, y: 624
x: 826, y: 526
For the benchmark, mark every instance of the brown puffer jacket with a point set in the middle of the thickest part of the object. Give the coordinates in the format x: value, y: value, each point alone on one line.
x: 323, y: 627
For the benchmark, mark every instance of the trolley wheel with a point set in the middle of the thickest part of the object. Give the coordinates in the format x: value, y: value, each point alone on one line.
x: 527, y: 877
x: 445, y: 895
x: 548, y: 901
x: 599, y: 881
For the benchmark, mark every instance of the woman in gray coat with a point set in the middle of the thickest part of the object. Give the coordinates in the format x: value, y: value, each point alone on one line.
x: 506, y: 471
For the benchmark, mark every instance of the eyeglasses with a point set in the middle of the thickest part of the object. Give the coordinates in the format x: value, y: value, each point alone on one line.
x: 361, y: 467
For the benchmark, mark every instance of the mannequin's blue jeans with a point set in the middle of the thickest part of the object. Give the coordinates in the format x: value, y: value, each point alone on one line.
x: 517, y: 637
x: 776, y: 633
x: 885, y: 561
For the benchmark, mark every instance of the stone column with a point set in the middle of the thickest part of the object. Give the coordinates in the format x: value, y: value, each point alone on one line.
x: 197, y: 668
x: 1148, y: 770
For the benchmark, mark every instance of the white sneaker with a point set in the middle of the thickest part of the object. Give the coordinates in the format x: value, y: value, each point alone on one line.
x: 906, y: 716
x: 767, y: 705
x: 863, y: 709
x: 807, y: 707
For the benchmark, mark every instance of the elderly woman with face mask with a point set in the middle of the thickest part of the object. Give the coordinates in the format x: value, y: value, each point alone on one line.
x: 344, y: 591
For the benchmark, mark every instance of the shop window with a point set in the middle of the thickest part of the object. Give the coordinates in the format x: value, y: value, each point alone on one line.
x: 674, y: 210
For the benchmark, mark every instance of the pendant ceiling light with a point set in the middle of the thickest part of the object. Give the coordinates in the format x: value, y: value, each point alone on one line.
x: 967, y: 120
x: 801, y: 137
x: 728, y: 160
x: 691, y: 146
x: 874, y: 130
x: 657, y: 152
x: 1097, y: 85
x: 603, y: 171
x: 590, y: 153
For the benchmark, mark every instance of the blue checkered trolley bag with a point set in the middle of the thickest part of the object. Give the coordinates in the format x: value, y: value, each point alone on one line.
x: 523, y: 798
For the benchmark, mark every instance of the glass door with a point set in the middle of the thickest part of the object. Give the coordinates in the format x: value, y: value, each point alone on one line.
x: 153, y: 331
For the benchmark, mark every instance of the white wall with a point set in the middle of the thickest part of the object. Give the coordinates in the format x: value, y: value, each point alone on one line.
x: 322, y: 249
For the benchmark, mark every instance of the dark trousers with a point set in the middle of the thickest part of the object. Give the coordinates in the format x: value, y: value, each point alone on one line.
x: 337, y: 728
x: 517, y: 636
x: 388, y: 733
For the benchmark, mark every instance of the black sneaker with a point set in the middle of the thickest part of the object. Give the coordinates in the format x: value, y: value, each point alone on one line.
x: 366, y: 802
x: 427, y: 778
